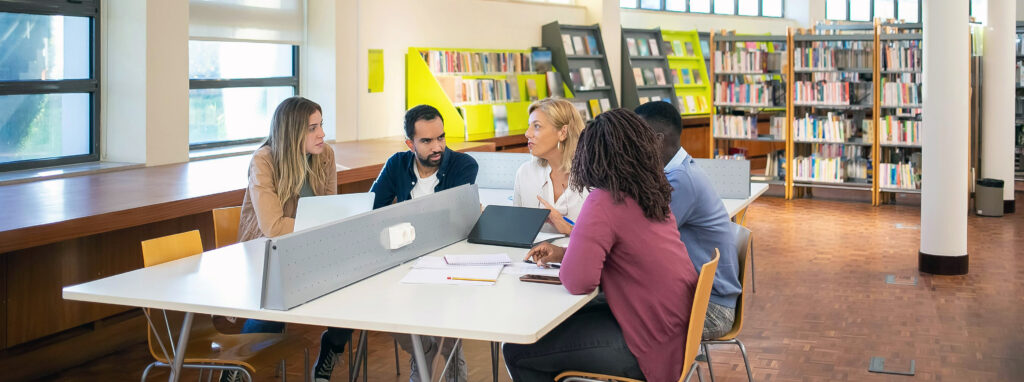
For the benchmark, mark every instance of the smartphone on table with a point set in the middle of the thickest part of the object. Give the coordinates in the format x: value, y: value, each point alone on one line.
x: 541, y: 279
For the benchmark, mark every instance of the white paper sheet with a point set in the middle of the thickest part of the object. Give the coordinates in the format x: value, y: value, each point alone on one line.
x: 453, y: 276
x: 523, y: 268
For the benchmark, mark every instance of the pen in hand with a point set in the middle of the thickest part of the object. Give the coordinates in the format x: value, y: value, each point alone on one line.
x: 567, y: 220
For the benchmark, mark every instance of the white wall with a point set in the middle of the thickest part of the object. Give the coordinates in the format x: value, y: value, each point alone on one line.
x: 396, y: 25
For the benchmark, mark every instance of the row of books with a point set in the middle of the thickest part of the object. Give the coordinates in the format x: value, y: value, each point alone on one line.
x: 756, y: 94
x: 643, y: 47
x: 587, y: 78
x: 681, y: 48
x: 734, y: 126
x: 462, y: 91
x: 833, y: 150
x: 775, y: 165
x: 777, y: 127
x: 829, y: 169
x: 902, y: 132
x: 902, y: 55
x: 831, y: 93
x: 580, y: 45
x: 748, y: 61
x: 685, y: 76
x: 649, y: 76
x: 451, y: 62
x: 900, y: 93
x: 591, y: 108
x: 899, y: 175
x: 690, y: 104
x: 831, y: 128
x: 834, y: 55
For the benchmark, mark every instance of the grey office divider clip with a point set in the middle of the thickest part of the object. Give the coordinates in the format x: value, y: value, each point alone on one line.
x: 302, y: 266
x: 729, y: 177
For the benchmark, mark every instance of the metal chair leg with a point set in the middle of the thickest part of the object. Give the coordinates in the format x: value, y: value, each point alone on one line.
x: 746, y: 362
x: 145, y: 372
x: 707, y: 355
x: 366, y: 360
x: 750, y: 255
x: 699, y: 376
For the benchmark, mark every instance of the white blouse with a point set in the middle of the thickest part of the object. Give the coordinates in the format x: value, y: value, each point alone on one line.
x: 532, y: 179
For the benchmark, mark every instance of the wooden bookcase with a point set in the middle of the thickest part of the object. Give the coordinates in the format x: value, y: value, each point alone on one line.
x: 585, y: 53
x: 646, y: 75
x: 899, y: 109
x: 749, y: 84
x: 477, y: 74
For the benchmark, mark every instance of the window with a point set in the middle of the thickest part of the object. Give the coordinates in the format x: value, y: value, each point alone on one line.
x: 234, y: 88
x: 765, y: 8
x: 49, y: 105
x: 867, y: 10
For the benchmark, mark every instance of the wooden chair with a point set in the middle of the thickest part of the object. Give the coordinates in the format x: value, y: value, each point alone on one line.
x: 208, y: 349
x: 225, y: 225
x: 701, y: 296
x: 744, y: 241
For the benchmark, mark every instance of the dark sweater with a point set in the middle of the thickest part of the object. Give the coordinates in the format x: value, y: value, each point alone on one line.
x: 397, y: 178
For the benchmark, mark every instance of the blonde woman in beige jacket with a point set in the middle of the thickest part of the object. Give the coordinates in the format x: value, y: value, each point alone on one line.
x: 293, y: 162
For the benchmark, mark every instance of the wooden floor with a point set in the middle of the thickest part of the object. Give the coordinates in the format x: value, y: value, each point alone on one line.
x: 822, y: 307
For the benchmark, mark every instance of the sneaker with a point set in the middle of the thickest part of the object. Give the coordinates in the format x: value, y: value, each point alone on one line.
x: 325, y: 362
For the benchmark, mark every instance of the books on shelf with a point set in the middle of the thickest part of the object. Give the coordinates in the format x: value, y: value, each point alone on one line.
x: 599, y: 77
x: 457, y: 62
x: 554, y: 82
x: 831, y: 128
x: 834, y: 55
x: 899, y: 175
x: 541, y: 57
x: 775, y: 166
x: 901, y: 55
x: 697, y: 78
x: 500, y: 113
x: 591, y: 108
x: 581, y: 107
x: 895, y: 131
x: 684, y: 74
x: 592, y: 48
x: 755, y: 94
x: 631, y: 46
x: 734, y: 126
x: 638, y: 76
x: 677, y: 48
x: 587, y: 75
x: 747, y: 62
x: 832, y: 163
x: 460, y: 90
x: 649, y: 76
x: 777, y: 127
x: 577, y: 45
x: 641, y: 45
x: 818, y: 169
x: 659, y: 76
x: 653, y: 42
x: 567, y: 43
x: 901, y: 93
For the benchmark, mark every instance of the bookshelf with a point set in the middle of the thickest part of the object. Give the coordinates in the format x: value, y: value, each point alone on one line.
x: 646, y: 75
x: 480, y: 93
x: 899, y: 109
x: 578, y: 54
x: 748, y: 84
x: 686, y: 60
x: 832, y: 111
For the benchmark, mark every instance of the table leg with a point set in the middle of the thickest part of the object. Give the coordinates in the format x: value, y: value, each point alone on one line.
x: 421, y: 359
x: 495, y: 347
x: 179, y: 354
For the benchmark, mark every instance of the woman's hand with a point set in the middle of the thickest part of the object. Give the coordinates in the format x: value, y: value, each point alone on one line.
x: 544, y: 253
x: 556, y: 218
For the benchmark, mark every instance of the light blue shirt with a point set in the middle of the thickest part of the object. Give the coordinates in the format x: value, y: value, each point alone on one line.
x: 704, y: 225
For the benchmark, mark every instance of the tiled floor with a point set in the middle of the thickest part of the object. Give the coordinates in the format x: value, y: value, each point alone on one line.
x: 822, y: 307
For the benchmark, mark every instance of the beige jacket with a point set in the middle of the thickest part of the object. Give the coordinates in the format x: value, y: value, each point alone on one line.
x: 262, y: 213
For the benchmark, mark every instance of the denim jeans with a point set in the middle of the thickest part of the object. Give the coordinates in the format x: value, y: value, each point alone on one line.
x: 260, y: 326
x: 589, y: 341
x: 338, y: 337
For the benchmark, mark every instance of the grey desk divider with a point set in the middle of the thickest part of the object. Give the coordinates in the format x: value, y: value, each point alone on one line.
x: 729, y: 177
x: 302, y: 266
x: 498, y: 170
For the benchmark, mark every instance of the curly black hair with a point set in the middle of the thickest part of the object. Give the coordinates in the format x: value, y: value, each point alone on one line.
x: 618, y: 153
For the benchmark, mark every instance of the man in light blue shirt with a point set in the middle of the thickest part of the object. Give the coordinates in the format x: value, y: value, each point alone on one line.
x: 700, y: 215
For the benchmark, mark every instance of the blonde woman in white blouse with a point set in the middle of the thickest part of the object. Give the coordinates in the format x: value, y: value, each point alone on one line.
x: 555, y: 127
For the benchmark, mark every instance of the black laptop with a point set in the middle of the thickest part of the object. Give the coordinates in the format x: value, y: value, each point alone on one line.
x: 508, y: 226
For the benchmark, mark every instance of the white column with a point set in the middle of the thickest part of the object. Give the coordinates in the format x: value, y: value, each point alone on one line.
x: 944, y: 136
x: 998, y: 94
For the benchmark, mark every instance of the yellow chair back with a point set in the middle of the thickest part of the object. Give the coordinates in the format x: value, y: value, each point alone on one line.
x: 171, y: 247
x: 701, y: 297
x: 225, y: 225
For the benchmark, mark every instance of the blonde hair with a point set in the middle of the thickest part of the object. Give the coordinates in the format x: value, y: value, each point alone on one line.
x: 564, y: 116
x: 287, y: 137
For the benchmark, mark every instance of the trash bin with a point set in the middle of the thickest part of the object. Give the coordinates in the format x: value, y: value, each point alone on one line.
x: 988, y: 197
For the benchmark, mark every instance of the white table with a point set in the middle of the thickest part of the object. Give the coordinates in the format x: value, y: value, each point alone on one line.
x: 228, y: 281
x: 503, y: 197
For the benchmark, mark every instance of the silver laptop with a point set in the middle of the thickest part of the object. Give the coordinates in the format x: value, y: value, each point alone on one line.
x: 318, y: 210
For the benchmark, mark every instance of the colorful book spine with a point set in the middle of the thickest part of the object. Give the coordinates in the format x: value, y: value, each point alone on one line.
x: 734, y: 126
x: 756, y: 94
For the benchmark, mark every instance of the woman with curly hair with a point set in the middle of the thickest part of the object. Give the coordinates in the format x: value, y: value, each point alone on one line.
x: 626, y: 242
